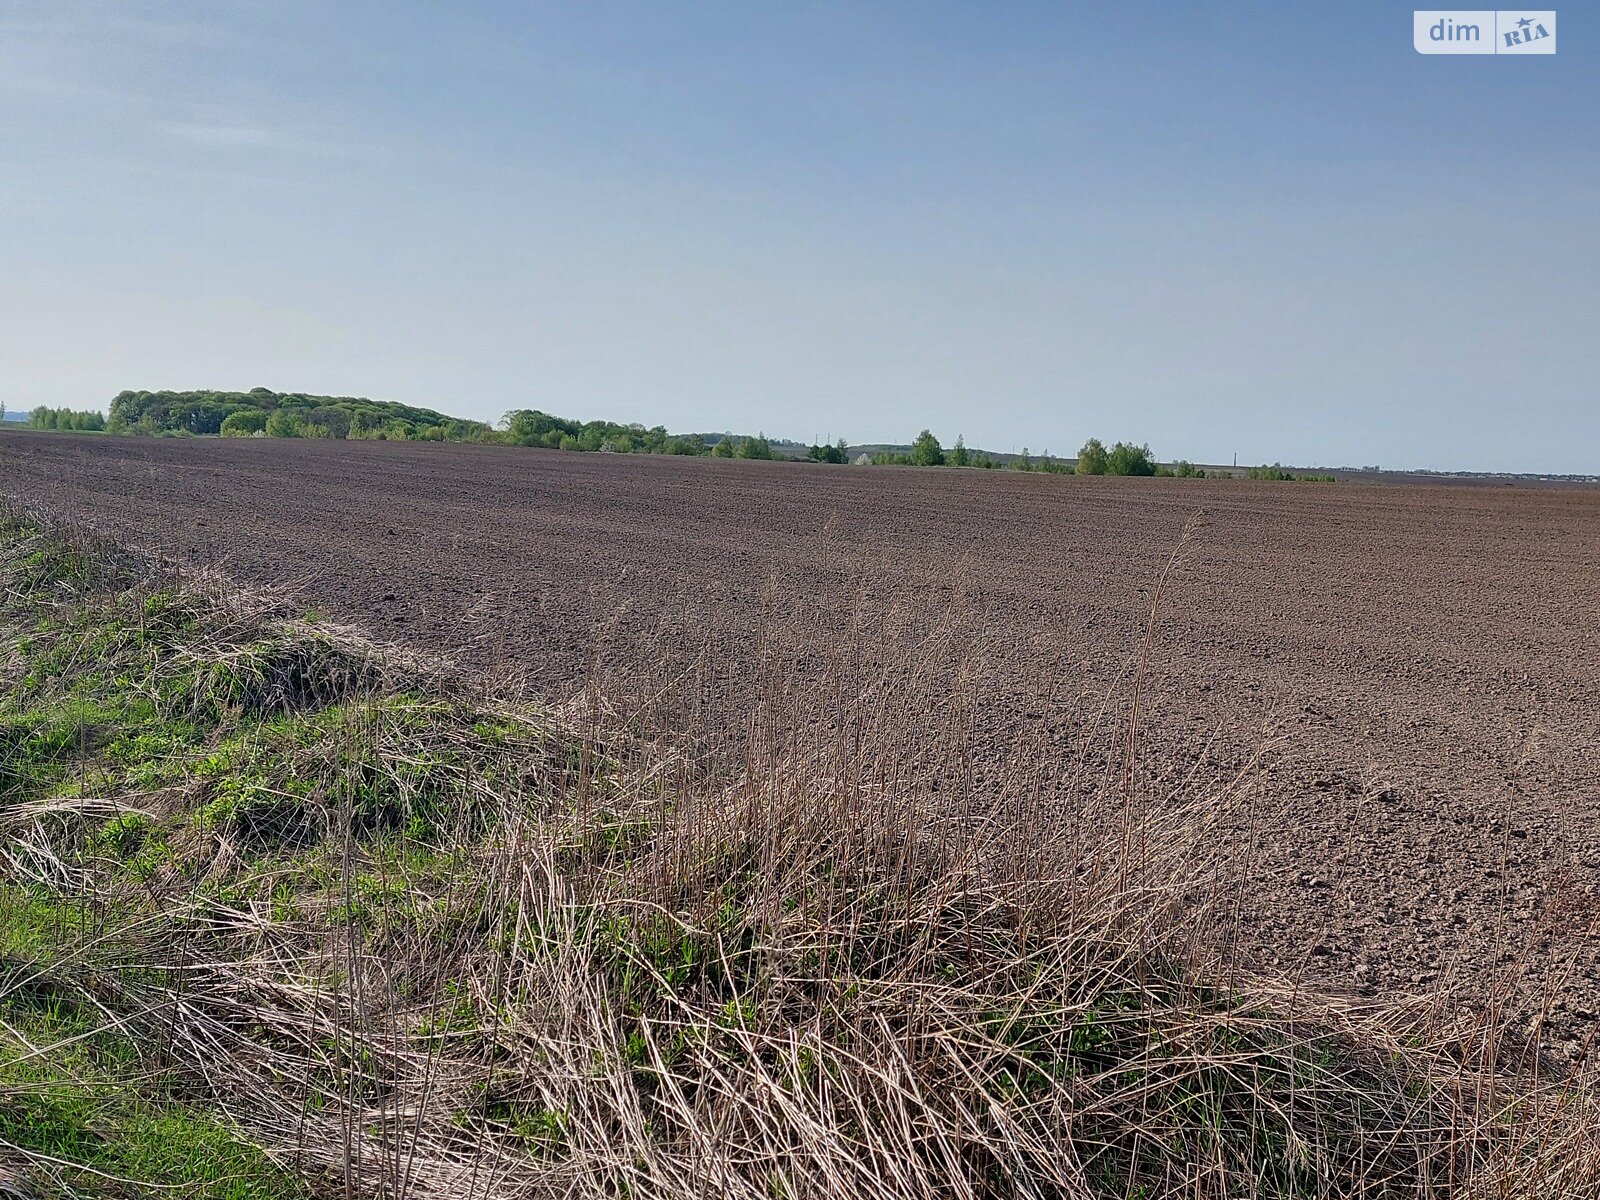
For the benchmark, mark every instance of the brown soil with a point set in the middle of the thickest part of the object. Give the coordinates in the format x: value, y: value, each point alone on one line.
x: 1417, y: 668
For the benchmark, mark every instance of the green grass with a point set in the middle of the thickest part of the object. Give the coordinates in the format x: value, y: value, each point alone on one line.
x: 81, y: 1101
x: 94, y: 1110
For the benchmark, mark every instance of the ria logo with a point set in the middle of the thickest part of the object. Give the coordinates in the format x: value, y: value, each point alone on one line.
x: 1528, y: 30
x: 1483, y: 31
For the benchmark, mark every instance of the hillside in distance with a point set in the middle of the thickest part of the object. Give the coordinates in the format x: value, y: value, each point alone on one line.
x: 283, y: 414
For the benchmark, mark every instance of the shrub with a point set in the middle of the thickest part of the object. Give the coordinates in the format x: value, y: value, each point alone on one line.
x: 282, y: 423
x: 958, y: 453
x: 65, y: 419
x: 1092, y: 458
x: 755, y: 447
x: 1276, y: 474
x: 926, y: 451
x: 1127, y: 459
x: 836, y: 453
x: 244, y: 423
x: 331, y: 422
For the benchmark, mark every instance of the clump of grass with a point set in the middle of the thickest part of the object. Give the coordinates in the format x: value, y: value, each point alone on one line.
x: 72, y: 1125
x: 348, y: 922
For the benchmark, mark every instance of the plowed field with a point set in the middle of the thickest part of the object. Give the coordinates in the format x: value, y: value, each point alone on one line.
x: 1417, y: 668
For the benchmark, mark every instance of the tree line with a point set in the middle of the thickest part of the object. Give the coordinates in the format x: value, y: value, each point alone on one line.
x: 45, y: 417
x: 282, y: 414
x: 262, y: 412
x: 1094, y: 458
x: 531, y: 427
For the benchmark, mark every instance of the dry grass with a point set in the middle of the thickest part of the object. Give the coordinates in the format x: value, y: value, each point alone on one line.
x: 416, y: 940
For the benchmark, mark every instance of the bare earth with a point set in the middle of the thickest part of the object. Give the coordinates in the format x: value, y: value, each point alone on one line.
x: 1426, y: 813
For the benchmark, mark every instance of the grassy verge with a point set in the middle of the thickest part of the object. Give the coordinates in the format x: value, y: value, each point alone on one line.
x: 282, y: 915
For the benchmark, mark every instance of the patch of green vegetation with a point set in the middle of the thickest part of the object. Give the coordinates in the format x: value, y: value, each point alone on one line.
x: 122, y: 837
x: 155, y: 756
x: 66, y: 420
x: 1276, y: 474
x: 1124, y: 458
x: 76, y: 1102
x: 132, y: 840
x: 79, y: 1107
x: 86, y: 729
x: 33, y: 924
x: 283, y: 414
x: 32, y: 754
x: 259, y: 811
x: 53, y: 563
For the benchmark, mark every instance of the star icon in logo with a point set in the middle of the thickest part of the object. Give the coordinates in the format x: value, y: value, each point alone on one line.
x: 1524, y: 23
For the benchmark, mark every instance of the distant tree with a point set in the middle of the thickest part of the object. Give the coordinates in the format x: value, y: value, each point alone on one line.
x: 1276, y: 474
x: 244, y: 423
x: 926, y: 451
x: 1022, y: 462
x: 836, y: 453
x: 722, y: 448
x: 1127, y: 459
x: 66, y: 420
x: 1184, y: 469
x: 530, y: 427
x: 1092, y: 458
x: 282, y: 422
x: 755, y: 447
x: 332, y: 422
x: 195, y: 416
x: 958, y: 453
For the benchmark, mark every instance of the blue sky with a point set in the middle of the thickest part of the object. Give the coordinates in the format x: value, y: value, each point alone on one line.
x: 1266, y: 230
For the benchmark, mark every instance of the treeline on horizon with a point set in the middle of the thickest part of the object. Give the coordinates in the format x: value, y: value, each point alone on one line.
x: 262, y: 412
x: 1123, y: 458
x: 281, y: 414
x: 530, y: 427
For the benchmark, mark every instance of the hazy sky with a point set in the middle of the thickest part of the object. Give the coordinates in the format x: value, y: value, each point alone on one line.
x: 1272, y: 230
